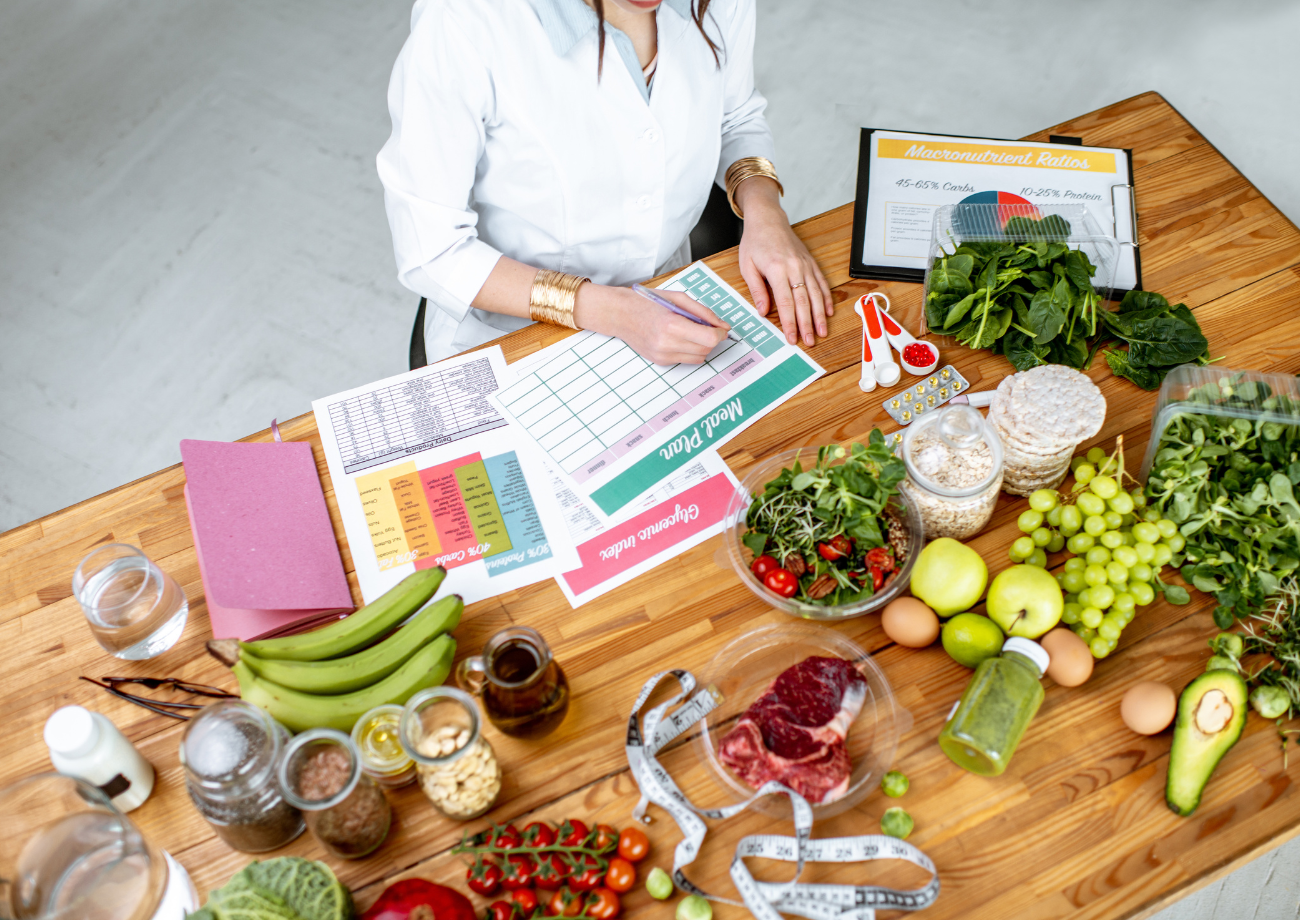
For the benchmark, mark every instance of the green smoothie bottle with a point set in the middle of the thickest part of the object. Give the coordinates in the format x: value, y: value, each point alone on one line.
x: 993, y: 713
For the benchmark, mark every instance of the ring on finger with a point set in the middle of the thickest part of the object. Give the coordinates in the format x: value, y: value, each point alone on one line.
x: 799, y: 285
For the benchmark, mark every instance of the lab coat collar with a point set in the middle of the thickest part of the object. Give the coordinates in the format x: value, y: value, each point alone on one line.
x: 568, y: 21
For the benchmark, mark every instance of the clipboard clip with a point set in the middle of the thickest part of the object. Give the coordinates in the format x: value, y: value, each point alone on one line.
x: 1132, y: 208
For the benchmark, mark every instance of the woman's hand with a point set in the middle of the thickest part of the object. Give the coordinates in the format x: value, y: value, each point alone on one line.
x: 658, y: 335
x: 777, y: 265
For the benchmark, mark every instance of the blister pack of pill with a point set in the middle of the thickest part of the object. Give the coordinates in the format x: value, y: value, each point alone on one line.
x: 926, y: 395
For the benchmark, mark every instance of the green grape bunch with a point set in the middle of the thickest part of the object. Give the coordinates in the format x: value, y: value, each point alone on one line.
x: 1117, y: 547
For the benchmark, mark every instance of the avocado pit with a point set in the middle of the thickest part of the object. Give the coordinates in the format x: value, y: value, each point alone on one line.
x: 1214, y: 712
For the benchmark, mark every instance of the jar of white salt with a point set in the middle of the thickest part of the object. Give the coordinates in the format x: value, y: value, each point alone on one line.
x: 954, y: 471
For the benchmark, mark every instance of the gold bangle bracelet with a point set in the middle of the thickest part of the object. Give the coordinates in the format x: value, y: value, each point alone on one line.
x: 553, y: 297
x: 748, y: 168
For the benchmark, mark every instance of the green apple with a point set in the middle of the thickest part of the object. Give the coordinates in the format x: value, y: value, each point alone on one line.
x: 969, y: 638
x: 1025, y: 601
x: 949, y: 576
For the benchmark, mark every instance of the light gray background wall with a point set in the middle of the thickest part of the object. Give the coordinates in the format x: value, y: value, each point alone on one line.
x: 192, y: 236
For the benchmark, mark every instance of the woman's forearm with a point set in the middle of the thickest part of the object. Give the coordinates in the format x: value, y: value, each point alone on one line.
x: 599, y: 307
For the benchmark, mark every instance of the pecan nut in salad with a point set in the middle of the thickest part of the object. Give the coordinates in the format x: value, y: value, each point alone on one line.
x: 822, y: 585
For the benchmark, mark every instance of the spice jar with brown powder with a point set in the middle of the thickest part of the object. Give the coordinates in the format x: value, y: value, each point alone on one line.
x: 345, y: 809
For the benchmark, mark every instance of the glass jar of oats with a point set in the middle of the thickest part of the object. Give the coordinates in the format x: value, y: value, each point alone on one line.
x: 954, y: 471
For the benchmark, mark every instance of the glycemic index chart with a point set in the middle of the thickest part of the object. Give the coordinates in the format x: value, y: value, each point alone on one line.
x: 616, y: 424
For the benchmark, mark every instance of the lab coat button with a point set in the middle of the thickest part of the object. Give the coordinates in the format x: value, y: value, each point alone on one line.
x: 651, y: 135
x: 643, y: 201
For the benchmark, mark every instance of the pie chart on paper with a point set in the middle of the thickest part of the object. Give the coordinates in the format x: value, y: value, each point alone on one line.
x: 1009, y: 206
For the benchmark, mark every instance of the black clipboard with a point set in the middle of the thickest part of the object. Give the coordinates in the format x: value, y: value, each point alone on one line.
x: 858, y: 269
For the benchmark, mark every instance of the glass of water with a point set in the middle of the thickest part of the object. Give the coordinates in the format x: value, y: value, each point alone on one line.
x: 135, y: 609
x: 68, y: 854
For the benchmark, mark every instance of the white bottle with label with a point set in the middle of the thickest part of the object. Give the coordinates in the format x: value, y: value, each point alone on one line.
x: 88, y: 746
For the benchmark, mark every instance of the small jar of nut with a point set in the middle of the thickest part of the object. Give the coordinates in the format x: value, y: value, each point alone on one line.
x: 954, y: 471
x: 458, y: 770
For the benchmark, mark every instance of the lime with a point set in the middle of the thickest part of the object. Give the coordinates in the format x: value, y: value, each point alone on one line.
x: 969, y: 638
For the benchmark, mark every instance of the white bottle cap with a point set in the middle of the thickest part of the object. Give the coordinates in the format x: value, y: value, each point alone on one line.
x: 71, y: 731
x: 1031, y: 650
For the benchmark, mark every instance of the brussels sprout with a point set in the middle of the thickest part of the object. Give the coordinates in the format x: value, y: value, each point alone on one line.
x: 893, y: 784
x: 896, y: 823
x: 1221, y: 662
x: 1227, y: 644
x: 1270, y: 702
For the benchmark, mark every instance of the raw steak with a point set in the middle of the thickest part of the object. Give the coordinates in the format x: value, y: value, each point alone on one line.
x: 794, y: 733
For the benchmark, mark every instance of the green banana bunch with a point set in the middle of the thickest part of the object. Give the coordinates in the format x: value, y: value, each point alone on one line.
x: 360, y: 628
x: 299, y: 711
x: 352, y: 672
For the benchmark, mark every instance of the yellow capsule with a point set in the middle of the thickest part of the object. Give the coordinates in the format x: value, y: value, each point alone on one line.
x: 894, y: 404
x: 943, y: 393
x: 929, y: 400
x: 920, y: 388
x: 956, y: 385
x: 920, y: 407
x: 934, y: 381
x: 945, y: 373
x: 907, y: 416
x: 907, y: 397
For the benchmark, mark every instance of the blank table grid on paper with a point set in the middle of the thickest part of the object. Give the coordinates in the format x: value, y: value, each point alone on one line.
x: 599, y: 399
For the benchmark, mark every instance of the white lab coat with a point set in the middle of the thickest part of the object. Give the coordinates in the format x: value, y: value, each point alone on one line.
x: 504, y: 141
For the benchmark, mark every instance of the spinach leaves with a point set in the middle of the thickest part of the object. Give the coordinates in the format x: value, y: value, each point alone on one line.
x: 1159, y: 338
x: 1230, y: 485
x: 1030, y: 297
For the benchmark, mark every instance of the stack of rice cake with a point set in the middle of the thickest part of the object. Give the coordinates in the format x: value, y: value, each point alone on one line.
x: 1041, y: 416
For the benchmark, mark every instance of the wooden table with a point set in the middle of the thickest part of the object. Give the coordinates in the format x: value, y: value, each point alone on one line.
x: 1077, y: 827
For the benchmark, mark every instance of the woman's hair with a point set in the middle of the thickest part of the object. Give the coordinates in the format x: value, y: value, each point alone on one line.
x: 698, y: 9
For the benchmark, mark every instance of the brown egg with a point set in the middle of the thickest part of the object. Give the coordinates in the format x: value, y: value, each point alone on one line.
x: 910, y: 622
x: 1071, y: 662
x: 1148, y: 707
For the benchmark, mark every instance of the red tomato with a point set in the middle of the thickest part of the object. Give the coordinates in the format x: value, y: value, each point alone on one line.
x: 587, y: 874
x: 484, y: 878
x: 603, y: 904
x: 506, y: 837
x: 519, y: 872
x: 836, y: 547
x: 882, y: 557
x: 781, y: 582
x: 762, y: 565
x: 572, y: 833
x: 606, y: 838
x: 633, y: 844
x: 538, y: 834
x: 564, y: 903
x: 877, y: 578
x: 551, y: 872
x: 525, y: 900
x: 621, y: 875
x: 500, y: 910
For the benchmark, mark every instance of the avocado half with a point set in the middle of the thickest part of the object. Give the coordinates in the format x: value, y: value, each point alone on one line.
x: 1211, y: 715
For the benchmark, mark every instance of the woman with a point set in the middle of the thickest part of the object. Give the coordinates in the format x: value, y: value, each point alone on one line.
x: 539, y: 144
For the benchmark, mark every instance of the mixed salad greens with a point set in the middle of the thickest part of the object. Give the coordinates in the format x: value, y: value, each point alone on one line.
x: 1229, y: 483
x: 1031, y: 298
x: 822, y: 534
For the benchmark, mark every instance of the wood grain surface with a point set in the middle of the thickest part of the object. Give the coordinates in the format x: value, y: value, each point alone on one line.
x: 1077, y: 827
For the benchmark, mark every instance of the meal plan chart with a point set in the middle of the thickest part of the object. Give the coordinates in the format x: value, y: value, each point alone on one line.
x: 426, y: 473
x: 616, y: 425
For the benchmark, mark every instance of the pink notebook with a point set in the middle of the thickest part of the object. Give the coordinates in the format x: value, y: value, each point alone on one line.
x: 267, y: 554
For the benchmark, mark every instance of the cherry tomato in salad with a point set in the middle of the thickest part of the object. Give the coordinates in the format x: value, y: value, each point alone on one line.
x: 500, y: 910
x: 877, y: 578
x: 882, y: 557
x: 564, y: 903
x: 606, y: 838
x: 762, y: 565
x: 572, y: 833
x: 837, y: 547
x: 519, y: 872
x: 603, y: 904
x: 525, y: 899
x: 551, y: 872
x: 538, y: 834
x: 633, y: 844
x: 484, y: 878
x: 621, y: 875
x: 587, y: 874
x: 781, y: 582
x: 507, y: 838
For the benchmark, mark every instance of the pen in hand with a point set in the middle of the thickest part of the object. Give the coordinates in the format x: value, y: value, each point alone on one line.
x: 667, y: 304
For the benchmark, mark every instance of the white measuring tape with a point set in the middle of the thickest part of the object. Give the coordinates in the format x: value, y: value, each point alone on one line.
x: 765, y: 900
